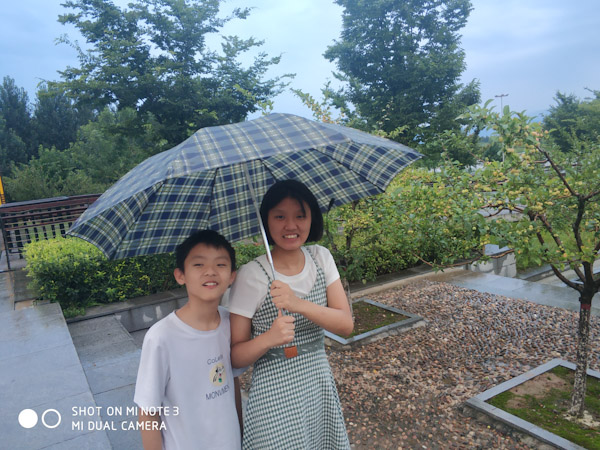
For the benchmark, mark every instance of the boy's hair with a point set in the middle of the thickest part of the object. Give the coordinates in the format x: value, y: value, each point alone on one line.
x: 206, y: 237
x: 299, y: 192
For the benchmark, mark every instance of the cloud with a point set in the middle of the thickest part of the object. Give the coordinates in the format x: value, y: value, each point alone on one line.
x: 532, y: 49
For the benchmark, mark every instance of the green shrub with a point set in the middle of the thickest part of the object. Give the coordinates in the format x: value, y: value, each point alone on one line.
x: 246, y: 251
x: 76, y: 274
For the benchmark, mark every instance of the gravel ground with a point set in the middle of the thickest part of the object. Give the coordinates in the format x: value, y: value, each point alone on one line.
x: 408, y: 391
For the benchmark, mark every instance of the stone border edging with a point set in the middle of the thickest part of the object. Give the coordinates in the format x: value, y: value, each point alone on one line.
x: 128, y: 305
x: 478, y: 403
x: 413, y: 321
x: 372, y: 288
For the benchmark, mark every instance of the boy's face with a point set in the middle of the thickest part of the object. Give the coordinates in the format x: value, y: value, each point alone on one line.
x: 207, y: 273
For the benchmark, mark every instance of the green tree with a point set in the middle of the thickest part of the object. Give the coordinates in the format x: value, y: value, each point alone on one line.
x: 153, y: 58
x: 16, y: 123
x: 107, y: 148
x: 572, y: 121
x: 55, y: 119
x: 552, y: 194
x: 52, y: 173
x: 12, y: 148
x: 400, y: 62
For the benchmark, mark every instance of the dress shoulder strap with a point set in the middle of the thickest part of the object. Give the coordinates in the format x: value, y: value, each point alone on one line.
x: 263, y: 269
x: 313, y: 257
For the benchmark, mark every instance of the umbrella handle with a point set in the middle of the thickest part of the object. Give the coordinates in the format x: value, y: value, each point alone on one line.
x: 260, y: 223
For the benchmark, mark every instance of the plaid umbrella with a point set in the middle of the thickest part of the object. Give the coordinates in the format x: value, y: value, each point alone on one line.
x: 204, y: 182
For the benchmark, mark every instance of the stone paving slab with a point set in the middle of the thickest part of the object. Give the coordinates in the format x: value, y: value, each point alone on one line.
x: 114, y: 373
x: 40, y: 436
x: 42, y: 377
x: 14, y: 288
x: 91, y: 440
x: 40, y: 370
x: 99, y: 347
x: 110, y: 359
x: 543, y: 294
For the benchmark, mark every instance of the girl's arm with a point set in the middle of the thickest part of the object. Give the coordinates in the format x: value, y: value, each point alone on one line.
x: 246, y: 351
x: 335, y: 317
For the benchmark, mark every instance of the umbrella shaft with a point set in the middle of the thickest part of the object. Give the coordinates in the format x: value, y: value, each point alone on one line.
x: 260, y: 223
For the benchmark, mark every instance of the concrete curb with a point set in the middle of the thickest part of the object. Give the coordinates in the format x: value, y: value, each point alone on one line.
x: 479, y: 404
x: 413, y: 321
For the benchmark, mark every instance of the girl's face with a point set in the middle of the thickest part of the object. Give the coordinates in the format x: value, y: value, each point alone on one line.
x: 288, y: 224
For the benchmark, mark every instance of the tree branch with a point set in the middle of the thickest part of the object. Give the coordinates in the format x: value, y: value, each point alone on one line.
x: 568, y: 282
x: 589, y: 196
x: 558, y: 274
x: 556, y: 169
x: 548, y: 227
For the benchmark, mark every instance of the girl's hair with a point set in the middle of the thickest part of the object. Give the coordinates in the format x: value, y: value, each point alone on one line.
x: 299, y: 192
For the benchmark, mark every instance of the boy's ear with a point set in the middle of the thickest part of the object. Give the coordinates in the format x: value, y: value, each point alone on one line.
x: 179, y: 276
x: 232, y: 279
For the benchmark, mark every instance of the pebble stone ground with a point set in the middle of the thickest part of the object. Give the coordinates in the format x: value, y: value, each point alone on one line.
x: 408, y: 391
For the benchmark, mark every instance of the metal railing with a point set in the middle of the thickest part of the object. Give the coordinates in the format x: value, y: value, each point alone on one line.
x: 24, y: 222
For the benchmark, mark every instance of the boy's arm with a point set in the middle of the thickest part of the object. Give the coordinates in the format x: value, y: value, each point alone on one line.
x: 151, y: 435
x: 238, y: 403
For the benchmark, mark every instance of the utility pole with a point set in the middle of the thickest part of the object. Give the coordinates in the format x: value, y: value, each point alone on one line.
x: 501, y: 96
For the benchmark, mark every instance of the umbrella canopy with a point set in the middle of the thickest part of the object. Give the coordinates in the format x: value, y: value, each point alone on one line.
x: 202, y: 182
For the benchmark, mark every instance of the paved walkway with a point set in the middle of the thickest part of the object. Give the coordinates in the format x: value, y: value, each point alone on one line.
x: 50, y: 368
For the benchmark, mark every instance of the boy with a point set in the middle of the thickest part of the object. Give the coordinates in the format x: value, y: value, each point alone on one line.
x: 185, y: 390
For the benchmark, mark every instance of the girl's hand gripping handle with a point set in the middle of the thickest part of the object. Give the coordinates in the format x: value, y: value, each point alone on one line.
x: 282, y: 330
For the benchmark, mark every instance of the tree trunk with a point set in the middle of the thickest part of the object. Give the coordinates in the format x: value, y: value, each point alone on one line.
x: 583, y: 349
x: 348, y: 297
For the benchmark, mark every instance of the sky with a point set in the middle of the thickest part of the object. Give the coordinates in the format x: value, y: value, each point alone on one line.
x: 526, y: 50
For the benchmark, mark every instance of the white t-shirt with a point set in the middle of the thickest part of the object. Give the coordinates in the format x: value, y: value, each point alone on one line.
x: 251, y: 284
x: 188, y: 373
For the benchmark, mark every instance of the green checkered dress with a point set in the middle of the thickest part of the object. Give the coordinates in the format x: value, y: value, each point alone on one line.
x: 293, y: 403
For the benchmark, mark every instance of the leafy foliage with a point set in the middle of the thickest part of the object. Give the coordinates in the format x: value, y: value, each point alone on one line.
x: 401, y: 63
x: 572, y: 122
x: 76, y: 274
x: 14, y: 125
x: 53, y: 173
x: 536, y: 193
x: 55, y: 119
x: 104, y: 151
x: 153, y: 57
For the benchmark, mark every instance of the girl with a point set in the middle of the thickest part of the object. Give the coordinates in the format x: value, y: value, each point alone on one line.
x: 277, y: 324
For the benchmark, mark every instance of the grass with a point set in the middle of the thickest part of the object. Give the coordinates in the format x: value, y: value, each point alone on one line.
x: 369, y: 317
x: 548, y: 411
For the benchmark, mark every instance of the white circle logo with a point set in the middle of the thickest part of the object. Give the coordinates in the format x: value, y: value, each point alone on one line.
x: 57, y: 415
x: 28, y: 418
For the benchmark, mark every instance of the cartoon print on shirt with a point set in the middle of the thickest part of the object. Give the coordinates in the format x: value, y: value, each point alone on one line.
x: 217, y: 374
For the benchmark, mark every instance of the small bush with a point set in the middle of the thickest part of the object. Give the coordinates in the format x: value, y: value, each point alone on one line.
x: 76, y: 274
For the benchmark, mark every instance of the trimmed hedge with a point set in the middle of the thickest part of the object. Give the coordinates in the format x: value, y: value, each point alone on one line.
x: 76, y: 274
